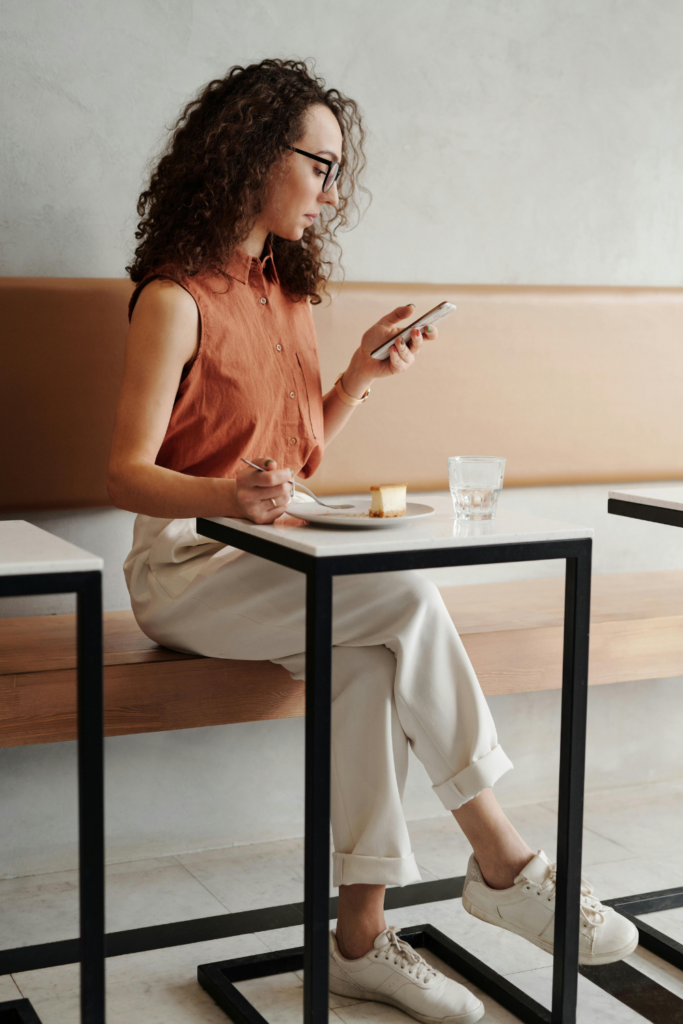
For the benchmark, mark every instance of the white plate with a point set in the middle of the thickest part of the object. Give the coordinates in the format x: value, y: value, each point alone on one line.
x: 357, y: 515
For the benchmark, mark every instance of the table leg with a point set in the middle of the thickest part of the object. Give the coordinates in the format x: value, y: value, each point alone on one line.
x: 317, y: 795
x: 91, y: 797
x: 572, y: 765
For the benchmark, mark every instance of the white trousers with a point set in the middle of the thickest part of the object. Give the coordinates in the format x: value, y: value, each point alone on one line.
x: 400, y: 677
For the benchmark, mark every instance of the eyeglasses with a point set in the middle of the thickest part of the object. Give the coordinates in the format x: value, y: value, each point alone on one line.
x: 334, y: 170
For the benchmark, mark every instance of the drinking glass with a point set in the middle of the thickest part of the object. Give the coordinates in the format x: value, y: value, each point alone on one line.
x: 475, y: 482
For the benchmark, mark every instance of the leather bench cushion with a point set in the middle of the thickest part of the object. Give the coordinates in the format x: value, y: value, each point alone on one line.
x: 572, y: 385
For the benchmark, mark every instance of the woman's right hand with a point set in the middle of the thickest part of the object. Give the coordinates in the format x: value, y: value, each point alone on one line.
x: 263, y: 496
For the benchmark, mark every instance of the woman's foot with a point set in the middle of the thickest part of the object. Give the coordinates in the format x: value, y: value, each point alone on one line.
x: 528, y: 909
x: 393, y: 972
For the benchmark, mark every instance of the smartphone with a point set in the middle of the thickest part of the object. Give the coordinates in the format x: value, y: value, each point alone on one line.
x: 438, y: 313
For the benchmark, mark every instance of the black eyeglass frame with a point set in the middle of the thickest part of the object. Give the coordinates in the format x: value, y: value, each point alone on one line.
x: 321, y: 159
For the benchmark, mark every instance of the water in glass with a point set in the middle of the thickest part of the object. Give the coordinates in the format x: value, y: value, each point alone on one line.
x: 475, y: 482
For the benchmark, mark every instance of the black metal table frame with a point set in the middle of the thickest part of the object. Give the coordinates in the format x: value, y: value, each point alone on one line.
x: 88, y: 589
x: 218, y: 979
x: 665, y: 899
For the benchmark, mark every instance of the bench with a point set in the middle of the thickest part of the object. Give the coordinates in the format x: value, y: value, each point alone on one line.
x: 550, y: 377
x: 512, y: 632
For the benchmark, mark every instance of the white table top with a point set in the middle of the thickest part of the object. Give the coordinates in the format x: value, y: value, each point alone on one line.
x: 26, y: 550
x: 438, y: 531
x: 660, y: 497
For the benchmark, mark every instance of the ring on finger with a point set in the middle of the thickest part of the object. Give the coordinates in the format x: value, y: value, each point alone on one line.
x: 274, y: 502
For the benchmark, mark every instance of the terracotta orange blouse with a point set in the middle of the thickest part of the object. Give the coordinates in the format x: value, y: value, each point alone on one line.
x: 254, y: 387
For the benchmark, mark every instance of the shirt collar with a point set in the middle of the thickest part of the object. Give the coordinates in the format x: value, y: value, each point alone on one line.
x: 240, y: 263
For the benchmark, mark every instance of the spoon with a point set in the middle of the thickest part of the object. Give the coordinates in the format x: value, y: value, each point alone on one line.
x: 323, y: 503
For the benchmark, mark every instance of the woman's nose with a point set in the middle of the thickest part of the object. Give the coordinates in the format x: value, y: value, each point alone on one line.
x: 331, y: 196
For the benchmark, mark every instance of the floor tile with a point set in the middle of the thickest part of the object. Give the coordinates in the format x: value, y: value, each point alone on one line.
x: 441, y: 848
x: 143, y: 893
x: 647, y: 820
x: 537, y: 824
x: 283, y: 938
x: 372, y: 1013
x: 246, y: 877
x: 43, y: 908
x: 659, y: 970
x: 668, y: 921
x: 633, y: 876
x: 157, y: 987
x: 8, y: 989
x: 279, y: 998
x: 425, y: 875
x: 594, y: 1006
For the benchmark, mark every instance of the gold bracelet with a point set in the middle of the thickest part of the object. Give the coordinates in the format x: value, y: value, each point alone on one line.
x: 346, y: 398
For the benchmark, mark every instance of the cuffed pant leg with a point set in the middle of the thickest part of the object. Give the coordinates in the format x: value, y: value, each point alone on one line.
x: 439, y: 702
x: 369, y: 769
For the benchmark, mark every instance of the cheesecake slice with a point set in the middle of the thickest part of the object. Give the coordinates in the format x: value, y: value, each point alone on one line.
x: 388, y: 500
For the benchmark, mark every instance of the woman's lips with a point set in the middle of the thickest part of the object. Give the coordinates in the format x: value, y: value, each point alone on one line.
x: 311, y: 216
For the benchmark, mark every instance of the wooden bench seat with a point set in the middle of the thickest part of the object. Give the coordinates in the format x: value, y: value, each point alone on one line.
x: 512, y: 632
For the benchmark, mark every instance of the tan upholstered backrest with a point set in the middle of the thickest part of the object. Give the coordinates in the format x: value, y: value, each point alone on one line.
x: 570, y: 384
x: 61, y: 360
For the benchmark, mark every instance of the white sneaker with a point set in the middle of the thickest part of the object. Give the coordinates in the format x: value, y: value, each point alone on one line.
x: 528, y: 909
x: 393, y: 972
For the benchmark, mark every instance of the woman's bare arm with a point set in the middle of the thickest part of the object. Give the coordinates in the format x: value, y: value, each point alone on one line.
x: 163, y: 338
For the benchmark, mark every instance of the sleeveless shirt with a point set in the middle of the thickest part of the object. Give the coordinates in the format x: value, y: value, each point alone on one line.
x: 254, y: 387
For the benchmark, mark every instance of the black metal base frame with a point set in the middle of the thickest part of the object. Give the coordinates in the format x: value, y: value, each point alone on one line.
x: 206, y: 929
x: 18, y: 1011
x: 651, y: 938
x: 219, y: 979
x: 90, y: 703
x: 657, y: 942
x: 622, y: 981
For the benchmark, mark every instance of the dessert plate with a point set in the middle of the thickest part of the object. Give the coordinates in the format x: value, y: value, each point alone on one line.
x: 357, y: 516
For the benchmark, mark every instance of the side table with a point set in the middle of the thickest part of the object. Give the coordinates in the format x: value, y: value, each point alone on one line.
x: 321, y: 554
x: 33, y: 562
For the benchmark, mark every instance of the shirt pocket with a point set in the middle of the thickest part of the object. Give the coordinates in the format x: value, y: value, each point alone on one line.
x: 311, y: 389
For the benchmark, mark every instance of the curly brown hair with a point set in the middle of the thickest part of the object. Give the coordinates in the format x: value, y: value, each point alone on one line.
x: 210, y: 182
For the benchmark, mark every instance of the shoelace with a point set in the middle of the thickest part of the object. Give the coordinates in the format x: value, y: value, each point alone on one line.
x: 591, y: 910
x: 399, y: 952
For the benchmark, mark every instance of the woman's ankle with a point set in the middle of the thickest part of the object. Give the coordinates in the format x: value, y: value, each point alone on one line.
x: 500, y: 872
x: 357, y: 943
x: 360, y: 919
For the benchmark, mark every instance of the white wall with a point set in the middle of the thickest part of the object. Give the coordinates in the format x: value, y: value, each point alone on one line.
x: 534, y: 141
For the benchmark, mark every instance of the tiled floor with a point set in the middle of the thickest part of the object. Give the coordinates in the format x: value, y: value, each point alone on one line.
x: 633, y: 842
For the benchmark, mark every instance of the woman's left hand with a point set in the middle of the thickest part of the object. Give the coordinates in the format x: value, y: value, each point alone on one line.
x: 363, y: 369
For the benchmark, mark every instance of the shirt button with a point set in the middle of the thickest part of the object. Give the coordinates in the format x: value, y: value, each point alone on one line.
x: 292, y: 440
x: 263, y: 301
x: 291, y: 394
x: 279, y: 348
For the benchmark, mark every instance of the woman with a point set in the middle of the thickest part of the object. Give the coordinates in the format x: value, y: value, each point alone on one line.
x: 221, y: 363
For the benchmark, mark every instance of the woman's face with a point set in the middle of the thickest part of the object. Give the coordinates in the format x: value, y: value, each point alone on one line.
x: 295, y: 195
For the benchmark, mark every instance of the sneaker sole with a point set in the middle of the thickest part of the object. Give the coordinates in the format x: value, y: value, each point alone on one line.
x: 354, y: 992
x: 585, y: 959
